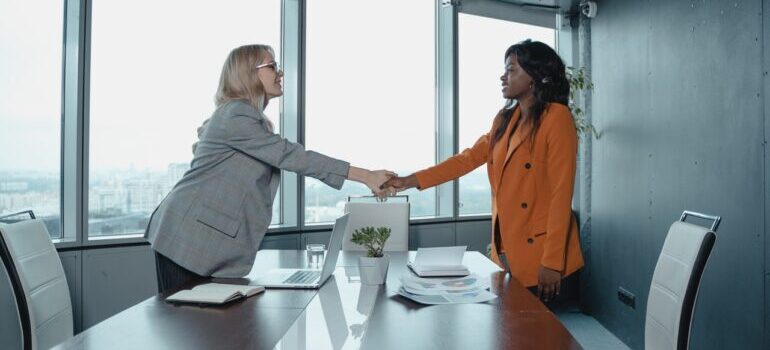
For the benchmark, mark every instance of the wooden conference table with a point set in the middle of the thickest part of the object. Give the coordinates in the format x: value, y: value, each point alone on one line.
x: 343, y: 314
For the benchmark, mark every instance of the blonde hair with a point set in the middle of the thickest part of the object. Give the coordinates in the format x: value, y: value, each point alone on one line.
x: 239, y: 80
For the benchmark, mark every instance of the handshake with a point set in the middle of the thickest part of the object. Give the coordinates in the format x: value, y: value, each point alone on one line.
x: 384, y: 183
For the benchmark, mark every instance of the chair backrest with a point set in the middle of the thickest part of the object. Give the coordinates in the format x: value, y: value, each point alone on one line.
x: 388, y: 214
x: 17, y: 216
x: 675, y: 282
x: 39, y: 283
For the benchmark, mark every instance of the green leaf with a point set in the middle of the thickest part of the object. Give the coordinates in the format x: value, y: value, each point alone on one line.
x: 580, y: 81
x: 372, y: 239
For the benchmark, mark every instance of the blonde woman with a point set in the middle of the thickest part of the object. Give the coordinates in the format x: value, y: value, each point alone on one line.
x: 213, y: 220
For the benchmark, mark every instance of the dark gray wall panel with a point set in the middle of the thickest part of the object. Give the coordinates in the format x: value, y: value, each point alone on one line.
x: 288, y: 241
x: 315, y: 237
x: 10, y: 332
x: 436, y: 235
x: 115, y: 279
x: 678, y: 102
x: 474, y: 234
x: 72, y: 269
x: 766, y: 99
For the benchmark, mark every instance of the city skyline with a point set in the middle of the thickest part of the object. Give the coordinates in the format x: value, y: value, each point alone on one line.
x: 121, y: 202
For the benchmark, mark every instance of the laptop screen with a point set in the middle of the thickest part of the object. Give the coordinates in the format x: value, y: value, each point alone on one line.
x: 335, y: 245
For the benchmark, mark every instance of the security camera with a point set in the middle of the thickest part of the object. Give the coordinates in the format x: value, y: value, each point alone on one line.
x: 447, y: 3
x: 589, y: 8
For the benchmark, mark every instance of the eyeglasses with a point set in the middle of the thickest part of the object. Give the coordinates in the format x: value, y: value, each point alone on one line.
x: 274, y: 65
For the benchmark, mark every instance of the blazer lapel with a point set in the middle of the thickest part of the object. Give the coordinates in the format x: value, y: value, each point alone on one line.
x: 503, y: 146
x: 516, y: 140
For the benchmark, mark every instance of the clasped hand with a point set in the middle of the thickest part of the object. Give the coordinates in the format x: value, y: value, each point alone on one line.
x: 397, y: 184
x: 384, y: 183
x: 376, y: 179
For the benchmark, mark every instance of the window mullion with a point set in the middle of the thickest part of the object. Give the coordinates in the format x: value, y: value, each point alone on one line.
x: 446, y: 103
x: 72, y: 123
x: 292, y: 33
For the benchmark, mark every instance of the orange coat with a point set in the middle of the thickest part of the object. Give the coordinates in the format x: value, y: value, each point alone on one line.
x: 532, y: 184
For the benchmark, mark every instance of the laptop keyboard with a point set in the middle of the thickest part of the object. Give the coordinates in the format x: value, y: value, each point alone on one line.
x: 303, y: 277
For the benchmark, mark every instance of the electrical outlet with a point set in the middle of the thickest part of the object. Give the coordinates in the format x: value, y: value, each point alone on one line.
x: 627, y: 297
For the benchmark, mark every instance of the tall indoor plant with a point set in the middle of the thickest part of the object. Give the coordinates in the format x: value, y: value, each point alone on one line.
x: 579, y: 82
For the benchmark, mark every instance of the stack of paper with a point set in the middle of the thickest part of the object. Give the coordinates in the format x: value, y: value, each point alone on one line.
x: 441, y: 261
x: 468, y: 289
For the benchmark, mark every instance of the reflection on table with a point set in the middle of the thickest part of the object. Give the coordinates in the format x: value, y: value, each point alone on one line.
x: 330, y: 323
x: 342, y: 314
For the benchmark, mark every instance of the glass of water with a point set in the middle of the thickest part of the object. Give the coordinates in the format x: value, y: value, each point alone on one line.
x: 315, y: 255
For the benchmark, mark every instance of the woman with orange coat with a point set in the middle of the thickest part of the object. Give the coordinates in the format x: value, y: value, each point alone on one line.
x: 530, y: 154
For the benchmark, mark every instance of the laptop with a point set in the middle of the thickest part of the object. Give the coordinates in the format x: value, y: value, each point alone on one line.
x: 309, y: 278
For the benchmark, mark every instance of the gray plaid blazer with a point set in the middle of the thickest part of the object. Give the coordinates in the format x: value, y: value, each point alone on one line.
x: 213, y: 220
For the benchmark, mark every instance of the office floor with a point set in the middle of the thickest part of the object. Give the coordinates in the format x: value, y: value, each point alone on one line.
x: 589, y: 332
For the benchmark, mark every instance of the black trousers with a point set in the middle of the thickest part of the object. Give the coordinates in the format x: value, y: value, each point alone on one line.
x: 170, y: 275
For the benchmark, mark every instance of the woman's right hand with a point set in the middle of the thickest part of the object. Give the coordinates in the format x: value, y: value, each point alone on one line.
x: 376, y: 179
x: 372, y: 179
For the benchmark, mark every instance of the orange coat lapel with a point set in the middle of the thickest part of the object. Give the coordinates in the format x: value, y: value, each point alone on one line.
x: 512, y: 142
x: 516, y: 140
x: 500, y: 149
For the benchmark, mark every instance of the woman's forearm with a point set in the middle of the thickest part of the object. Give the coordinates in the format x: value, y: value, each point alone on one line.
x: 411, y: 181
x: 359, y: 175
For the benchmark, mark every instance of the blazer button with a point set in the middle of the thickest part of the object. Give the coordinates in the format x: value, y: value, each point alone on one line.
x: 527, y: 166
x: 530, y: 241
x: 524, y: 205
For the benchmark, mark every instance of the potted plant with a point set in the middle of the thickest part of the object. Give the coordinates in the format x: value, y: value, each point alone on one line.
x: 374, y: 266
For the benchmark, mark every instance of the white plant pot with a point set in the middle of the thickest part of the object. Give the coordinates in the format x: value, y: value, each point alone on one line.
x: 373, y: 270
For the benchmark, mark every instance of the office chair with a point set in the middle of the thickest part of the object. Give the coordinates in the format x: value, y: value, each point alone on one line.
x: 394, y: 215
x: 13, y: 217
x: 38, y: 282
x: 675, y: 282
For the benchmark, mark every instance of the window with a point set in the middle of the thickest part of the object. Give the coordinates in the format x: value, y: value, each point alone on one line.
x: 154, y: 70
x: 30, y: 113
x: 376, y: 81
x: 481, y: 62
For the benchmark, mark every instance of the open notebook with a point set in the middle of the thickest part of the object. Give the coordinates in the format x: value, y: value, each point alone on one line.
x: 214, y: 293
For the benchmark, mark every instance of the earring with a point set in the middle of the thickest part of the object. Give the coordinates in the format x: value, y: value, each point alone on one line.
x: 531, y: 84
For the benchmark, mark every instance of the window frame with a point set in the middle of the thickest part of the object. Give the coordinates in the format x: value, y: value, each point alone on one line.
x: 64, y: 236
x: 75, y: 118
x: 443, y: 129
x: 83, y: 235
x: 509, y: 13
